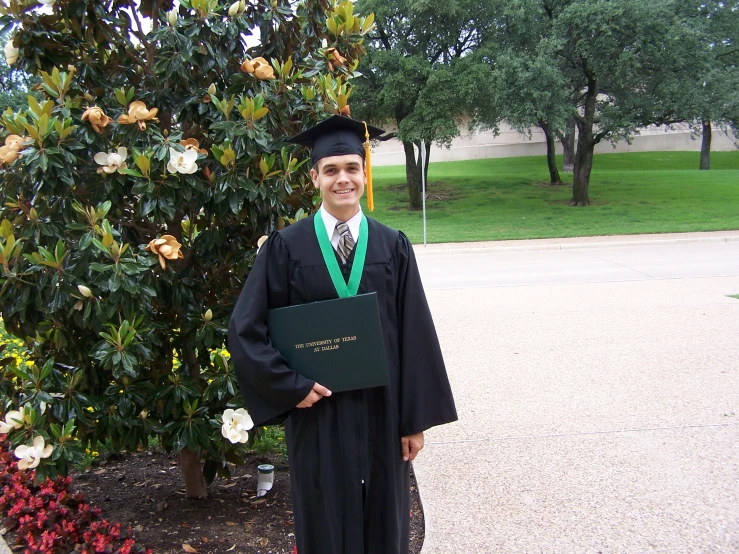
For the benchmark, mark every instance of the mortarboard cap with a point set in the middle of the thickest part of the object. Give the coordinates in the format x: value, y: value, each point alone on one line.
x: 337, y: 136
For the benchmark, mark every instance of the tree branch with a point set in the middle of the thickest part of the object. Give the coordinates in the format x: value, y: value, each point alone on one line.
x: 144, y: 234
x: 132, y: 56
x: 586, y: 69
x: 155, y: 19
x: 460, y: 48
x: 139, y: 28
x: 579, y: 97
x: 727, y: 54
x: 548, y: 10
x: 436, y: 56
x: 384, y: 38
x: 668, y: 118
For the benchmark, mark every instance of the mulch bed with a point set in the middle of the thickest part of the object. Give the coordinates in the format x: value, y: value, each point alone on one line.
x: 146, y: 491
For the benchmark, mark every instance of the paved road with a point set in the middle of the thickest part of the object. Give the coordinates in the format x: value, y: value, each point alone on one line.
x: 598, y: 394
x: 471, y: 268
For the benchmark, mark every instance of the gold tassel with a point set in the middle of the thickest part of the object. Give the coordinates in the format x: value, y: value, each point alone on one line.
x: 368, y: 165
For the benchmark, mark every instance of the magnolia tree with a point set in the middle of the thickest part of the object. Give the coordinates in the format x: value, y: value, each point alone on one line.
x: 134, y: 196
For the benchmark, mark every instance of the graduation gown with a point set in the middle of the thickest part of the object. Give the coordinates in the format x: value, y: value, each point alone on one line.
x: 350, y: 485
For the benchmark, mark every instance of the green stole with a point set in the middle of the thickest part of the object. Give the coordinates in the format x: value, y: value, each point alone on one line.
x: 343, y: 289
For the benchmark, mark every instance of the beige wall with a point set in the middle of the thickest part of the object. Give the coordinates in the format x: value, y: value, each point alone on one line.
x: 511, y: 143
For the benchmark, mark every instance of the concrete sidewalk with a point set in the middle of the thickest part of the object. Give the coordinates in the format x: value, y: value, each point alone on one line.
x: 594, y: 416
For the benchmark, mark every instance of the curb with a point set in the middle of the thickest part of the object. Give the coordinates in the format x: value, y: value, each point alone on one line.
x: 574, y: 243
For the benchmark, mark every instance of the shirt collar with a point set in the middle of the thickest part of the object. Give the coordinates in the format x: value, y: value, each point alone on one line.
x: 330, y: 222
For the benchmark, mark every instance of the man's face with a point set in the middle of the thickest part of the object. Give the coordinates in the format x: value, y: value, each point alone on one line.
x: 341, y: 181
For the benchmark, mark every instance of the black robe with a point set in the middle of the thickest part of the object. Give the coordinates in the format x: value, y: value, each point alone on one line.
x: 349, y: 437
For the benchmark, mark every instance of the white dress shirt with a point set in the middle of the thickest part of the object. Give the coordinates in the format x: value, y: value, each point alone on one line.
x: 330, y: 222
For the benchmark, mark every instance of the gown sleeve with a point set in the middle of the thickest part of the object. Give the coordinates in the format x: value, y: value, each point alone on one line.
x: 425, y: 394
x: 269, y: 387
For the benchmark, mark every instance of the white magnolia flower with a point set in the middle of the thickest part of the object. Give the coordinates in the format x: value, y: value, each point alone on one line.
x: 14, y: 419
x: 47, y: 2
x: 111, y: 161
x: 11, y: 52
x: 84, y: 291
x: 182, y: 162
x: 236, y: 423
x: 30, y: 456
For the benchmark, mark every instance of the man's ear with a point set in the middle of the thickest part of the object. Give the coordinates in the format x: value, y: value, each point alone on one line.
x: 314, y: 175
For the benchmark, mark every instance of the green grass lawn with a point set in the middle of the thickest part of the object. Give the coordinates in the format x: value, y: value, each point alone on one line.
x: 507, y: 198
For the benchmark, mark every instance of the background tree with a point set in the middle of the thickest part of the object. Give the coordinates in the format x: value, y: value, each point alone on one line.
x: 526, y: 90
x: 133, y: 198
x: 528, y: 93
x: 624, y: 61
x: 620, y: 65
x: 418, y: 75
x: 711, y: 97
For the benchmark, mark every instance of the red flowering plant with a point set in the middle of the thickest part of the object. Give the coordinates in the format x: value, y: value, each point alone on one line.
x: 50, y: 518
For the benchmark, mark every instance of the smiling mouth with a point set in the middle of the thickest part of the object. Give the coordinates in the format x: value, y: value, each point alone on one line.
x: 343, y: 192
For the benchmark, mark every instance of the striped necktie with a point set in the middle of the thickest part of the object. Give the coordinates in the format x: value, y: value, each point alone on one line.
x: 346, y: 242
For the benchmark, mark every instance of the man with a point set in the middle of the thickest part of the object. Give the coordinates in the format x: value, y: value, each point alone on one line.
x: 349, y: 452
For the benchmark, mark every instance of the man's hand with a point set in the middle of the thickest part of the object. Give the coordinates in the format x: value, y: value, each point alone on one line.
x: 318, y: 392
x: 411, y: 446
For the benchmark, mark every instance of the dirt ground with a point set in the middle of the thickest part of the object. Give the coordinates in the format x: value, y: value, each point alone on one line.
x: 146, y: 491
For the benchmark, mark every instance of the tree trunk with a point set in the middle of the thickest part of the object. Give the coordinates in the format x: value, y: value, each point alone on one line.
x: 568, y: 145
x: 413, y: 173
x: 585, y: 147
x: 192, y: 471
x: 426, y: 166
x: 583, y: 167
x: 706, y: 146
x: 193, y: 474
x: 554, y: 179
x: 412, y: 177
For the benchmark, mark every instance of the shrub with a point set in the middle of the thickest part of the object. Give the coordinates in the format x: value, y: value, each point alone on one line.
x: 134, y: 198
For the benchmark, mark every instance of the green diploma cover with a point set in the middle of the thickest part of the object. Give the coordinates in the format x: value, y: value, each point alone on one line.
x: 337, y: 343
